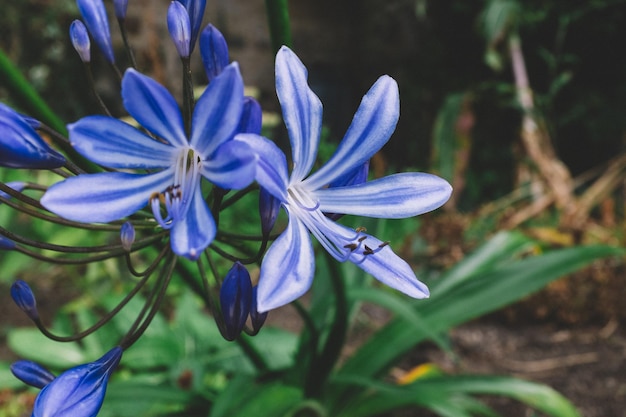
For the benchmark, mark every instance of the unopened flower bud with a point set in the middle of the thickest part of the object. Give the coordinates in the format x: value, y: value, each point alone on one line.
x: 235, y: 300
x: 32, y: 373
x: 25, y: 299
x: 21, y: 146
x: 179, y: 27
x: 120, y: 7
x: 256, y: 319
x: 6, y: 243
x: 214, y: 51
x: 79, y: 391
x: 251, y: 117
x: 195, y: 9
x: 269, y: 206
x: 80, y: 40
x: 95, y: 17
x: 127, y: 236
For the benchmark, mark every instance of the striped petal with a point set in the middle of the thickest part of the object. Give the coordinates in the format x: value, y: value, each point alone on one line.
x: 217, y: 112
x: 153, y: 107
x: 288, y: 268
x: 232, y: 166
x: 392, y: 197
x: 115, y: 144
x: 104, y: 197
x: 302, y: 111
x: 371, y: 128
x: 191, y: 235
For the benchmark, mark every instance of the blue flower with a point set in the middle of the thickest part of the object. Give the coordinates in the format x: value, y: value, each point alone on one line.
x: 78, y: 392
x: 21, y: 146
x: 176, y: 163
x: 288, y: 267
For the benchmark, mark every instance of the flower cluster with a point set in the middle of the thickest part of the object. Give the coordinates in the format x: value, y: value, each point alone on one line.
x: 162, y: 183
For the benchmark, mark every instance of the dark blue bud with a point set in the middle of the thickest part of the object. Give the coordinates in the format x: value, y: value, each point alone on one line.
x: 269, y: 206
x: 80, y: 40
x: 6, y: 243
x: 214, y: 51
x: 127, y: 236
x: 120, y: 7
x: 95, y: 16
x: 235, y: 300
x: 195, y: 9
x: 25, y: 299
x: 179, y: 26
x: 251, y: 117
x: 256, y: 319
x: 21, y: 146
x: 78, y: 392
x: 32, y: 373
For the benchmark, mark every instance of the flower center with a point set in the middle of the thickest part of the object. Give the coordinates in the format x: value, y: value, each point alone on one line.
x: 342, y: 243
x: 176, y: 198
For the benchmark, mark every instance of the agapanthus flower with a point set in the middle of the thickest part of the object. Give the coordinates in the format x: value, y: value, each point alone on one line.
x: 32, y: 373
x: 78, y: 392
x: 21, y: 146
x: 177, y: 163
x: 288, y: 267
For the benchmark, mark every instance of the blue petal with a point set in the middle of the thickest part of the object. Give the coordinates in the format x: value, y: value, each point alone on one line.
x: 232, y: 166
x: 390, y: 269
x: 153, y: 107
x: 80, y: 40
x: 190, y: 236
x: 371, y: 127
x: 381, y: 262
x: 392, y: 197
x: 32, y: 373
x: 302, y: 111
x: 287, y: 269
x: 104, y: 197
x: 271, y: 167
x: 115, y: 144
x: 251, y: 117
x: 217, y: 112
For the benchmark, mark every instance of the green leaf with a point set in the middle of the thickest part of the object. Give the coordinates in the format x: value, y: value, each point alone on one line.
x: 48, y: 352
x: 133, y: 398
x: 469, y: 298
x: 449, y: 396
x: 243, y: 397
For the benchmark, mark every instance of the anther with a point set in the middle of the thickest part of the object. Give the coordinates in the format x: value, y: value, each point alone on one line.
x: 360, y: 229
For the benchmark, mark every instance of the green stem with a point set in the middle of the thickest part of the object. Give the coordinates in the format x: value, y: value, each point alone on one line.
x: 26, y: 96
x: 323, y: 364
x: 278, y: 19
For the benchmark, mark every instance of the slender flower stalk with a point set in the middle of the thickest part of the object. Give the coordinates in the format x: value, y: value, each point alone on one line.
x: 178, y: 163
x: 288, y: 267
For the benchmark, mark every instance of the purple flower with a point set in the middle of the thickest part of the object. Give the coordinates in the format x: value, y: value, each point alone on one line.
x: 289, y: 265
x: 235, y: 300
x: 176, y: 163
x: 78, y: 392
